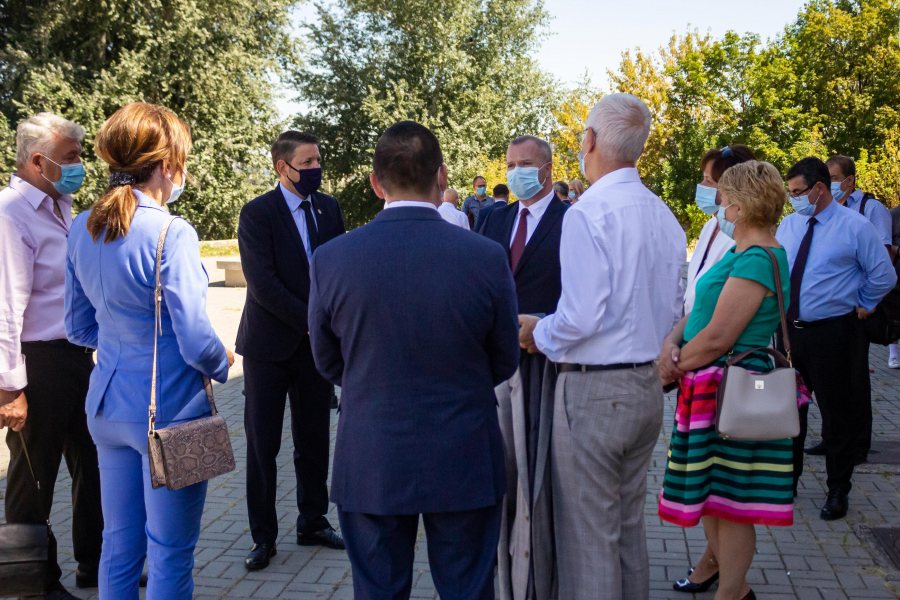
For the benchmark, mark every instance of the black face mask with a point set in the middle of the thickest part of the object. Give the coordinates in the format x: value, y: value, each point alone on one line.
x: 309, y: 182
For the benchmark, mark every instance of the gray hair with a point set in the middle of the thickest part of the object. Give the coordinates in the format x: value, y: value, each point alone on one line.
x: 545, y: 152
x: 621, y: 124
x: 37, y: 135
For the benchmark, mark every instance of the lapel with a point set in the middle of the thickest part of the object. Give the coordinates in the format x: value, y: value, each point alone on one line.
x: 553, y: 213
x: 548, y: 384
x: 288, y: 220
x: 517, y: 396
x: 507, y: 229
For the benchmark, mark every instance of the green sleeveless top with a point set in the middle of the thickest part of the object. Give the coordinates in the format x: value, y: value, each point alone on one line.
x: 753, y: 264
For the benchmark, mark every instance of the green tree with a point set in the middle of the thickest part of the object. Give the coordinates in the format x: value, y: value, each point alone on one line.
x: 210, y: 61
x: 462, y: 68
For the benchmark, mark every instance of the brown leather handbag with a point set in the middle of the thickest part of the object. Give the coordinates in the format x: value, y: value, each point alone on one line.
x: 191, y: 452
x: 760, y: 406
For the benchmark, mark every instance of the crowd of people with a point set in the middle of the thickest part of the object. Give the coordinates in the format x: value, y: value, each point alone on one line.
x: 505, y: 384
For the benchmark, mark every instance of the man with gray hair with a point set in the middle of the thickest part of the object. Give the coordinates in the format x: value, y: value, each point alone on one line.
x: 604, y: 338
x: 43, y: 377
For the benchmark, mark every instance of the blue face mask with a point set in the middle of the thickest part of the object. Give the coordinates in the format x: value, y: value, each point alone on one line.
x: 581, y: 163
x: 836, y: 190
x: 481, y: 191
x: 706, y: 199
x: 571, y: 195
x: 726, y: 226
x: 176, y: 191
x: 803, y: 206
x: 524, y: 182
x: 70, y: 180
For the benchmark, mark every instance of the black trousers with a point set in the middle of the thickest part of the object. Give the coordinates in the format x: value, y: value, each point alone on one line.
x: 266, y: 384
x: 56, y: 428
x: 462, y: 552
x: 833, y: 359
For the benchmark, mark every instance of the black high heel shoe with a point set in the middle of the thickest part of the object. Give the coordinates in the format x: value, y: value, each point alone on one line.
x: 686, y: 585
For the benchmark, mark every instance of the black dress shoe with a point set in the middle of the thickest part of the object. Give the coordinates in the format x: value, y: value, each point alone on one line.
x: 259, y: 557
x: 325, y: 537
x: 85, y: 580
x: 686, y: 585
x: 750, y: 596
x: 817, y: 450
x: 835, y: 506
x: 60, y: 593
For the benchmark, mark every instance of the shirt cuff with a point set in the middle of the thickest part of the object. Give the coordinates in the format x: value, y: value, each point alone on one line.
x: 543, y: 342
x: 15, y: 380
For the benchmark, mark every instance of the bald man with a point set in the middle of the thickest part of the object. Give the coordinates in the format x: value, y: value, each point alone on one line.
x: 449, y: 212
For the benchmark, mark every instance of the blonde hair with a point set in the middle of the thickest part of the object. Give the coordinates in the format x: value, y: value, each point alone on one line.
x: 134, y: 141
x: 756, y: 187
x: 37, y: 135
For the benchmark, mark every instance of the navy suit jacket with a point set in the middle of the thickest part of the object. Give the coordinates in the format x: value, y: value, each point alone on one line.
x: 538, y: 274
x: 417, y: 334
x: 482, y: 214
x: 277, y: 271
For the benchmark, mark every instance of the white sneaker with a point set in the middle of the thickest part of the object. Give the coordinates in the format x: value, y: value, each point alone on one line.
x: 894, y: 362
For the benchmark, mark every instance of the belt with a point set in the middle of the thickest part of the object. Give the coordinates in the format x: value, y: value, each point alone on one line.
x: 811, y: 324
x: 62, y: 344
x: 576, y: 368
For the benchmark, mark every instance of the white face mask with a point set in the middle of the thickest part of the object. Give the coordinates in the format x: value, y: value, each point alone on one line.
x: 176, y: 191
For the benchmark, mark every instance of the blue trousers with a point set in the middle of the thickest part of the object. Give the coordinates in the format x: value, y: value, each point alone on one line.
x: 140, y: 522
x: 462, y: 549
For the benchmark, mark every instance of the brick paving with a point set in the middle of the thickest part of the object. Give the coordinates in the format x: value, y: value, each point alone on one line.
x: 813, y: 560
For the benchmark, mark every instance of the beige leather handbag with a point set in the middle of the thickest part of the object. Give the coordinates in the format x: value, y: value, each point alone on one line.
x: 760, y: 406
x: 191, y: 452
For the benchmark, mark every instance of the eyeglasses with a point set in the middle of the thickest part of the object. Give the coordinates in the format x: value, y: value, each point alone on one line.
x: 798, y: 194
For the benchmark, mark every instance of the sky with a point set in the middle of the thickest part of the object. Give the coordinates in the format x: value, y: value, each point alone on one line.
x: 590, y: 35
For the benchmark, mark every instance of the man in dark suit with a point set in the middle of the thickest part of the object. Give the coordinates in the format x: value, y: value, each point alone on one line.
x: 416, y: 435
x: 530, y: 231
x: 277, y: 234
x: 501, y: 198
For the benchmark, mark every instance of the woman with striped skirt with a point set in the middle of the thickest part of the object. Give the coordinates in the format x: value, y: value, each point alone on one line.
x: 729, y: 485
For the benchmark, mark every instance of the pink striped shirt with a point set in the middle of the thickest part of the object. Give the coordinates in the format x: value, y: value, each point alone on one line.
x: 32, y: 274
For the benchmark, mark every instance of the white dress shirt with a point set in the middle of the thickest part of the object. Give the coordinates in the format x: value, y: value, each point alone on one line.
x: 410, y: 204
x: 293, y: 202
x: 32, y: 274
x: 453, y: 215
x: 720, y: 246
x: 622, y: 254
x: 535, y: 212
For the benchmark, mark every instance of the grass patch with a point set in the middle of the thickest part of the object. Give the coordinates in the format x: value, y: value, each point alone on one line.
x: 218, y: 249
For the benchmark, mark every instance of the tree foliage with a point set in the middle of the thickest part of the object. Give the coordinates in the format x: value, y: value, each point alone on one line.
x: 460, y: 67
x: 210, y: 61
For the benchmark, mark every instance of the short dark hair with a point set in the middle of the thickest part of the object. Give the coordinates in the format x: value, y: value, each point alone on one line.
x: 407, y: 157
x: 477, y: 177
x: 286, y: 144
x: 735, y: 154
x: 812, y: 170
x: 844, y: 163
x: 501, y: 191
x: 545, y: 152
x: 561, y: 187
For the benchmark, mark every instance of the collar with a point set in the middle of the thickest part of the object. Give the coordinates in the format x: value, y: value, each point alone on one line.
x: 500, y: 200
x: 826, y: 214
x: 292, y: 199
x: 146, y: 201
x: 33, y: 195
x: 537, y: 209
x: 624, y: 175
x: 856, y: 196
x: 410, y: 204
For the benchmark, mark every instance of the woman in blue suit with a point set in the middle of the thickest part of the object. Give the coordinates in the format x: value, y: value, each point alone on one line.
x: 110, y: 279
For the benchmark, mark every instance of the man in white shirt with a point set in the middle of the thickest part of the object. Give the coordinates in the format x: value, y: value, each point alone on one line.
x: 621, y: 255
x: 448, y: 209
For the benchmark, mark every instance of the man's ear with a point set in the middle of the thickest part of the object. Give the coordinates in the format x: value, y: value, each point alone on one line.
x: 376, y: 186
x: 442, y: 177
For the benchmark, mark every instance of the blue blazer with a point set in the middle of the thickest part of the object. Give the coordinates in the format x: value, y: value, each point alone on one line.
x: 417, y: 334
x: 109, y: 306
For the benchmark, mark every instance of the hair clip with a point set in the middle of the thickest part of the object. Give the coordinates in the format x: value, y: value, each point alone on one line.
x: 727, y: 152
x: 120, y: 178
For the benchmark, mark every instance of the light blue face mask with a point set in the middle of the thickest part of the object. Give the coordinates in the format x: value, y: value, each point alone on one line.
x: 571, y: 195
x: 524, y: 182
x: 70, y: 180
x: 176, y: 191
x: 726, y: 226
x: 706, y: 199
x: 803, y: 206
x: 481, y: 191
x: 581, y: 163
x: 836, y: 190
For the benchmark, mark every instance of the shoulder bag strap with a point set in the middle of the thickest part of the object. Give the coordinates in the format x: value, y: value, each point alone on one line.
x: 862, y: 203
x: 157, y: 331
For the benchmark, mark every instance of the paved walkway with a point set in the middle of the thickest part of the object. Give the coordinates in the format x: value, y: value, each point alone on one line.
x: 813, y: 560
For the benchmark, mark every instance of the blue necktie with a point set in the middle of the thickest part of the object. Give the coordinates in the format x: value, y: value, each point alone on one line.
x: 311, y: 230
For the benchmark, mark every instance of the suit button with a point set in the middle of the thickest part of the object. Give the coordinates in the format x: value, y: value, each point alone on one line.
x: 526, y: 518
x: 526, y: 554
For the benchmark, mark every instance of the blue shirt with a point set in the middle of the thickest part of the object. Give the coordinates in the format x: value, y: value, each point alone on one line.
x: 293, y: 202
x: 876, y: 213
x: 847, y: 267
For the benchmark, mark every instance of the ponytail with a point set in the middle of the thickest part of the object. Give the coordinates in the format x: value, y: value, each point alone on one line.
x: 113, y: 212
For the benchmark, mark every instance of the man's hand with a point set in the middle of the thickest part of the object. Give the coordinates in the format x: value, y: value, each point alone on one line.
x: 527, y: 323
x: 668, y: 362
x: 13, y: 415
x: 862, y: 313
x: 230, y: 357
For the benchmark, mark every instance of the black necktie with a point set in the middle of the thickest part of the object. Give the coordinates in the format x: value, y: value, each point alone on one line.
x: 306, y: 205
x: 793, y: 312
